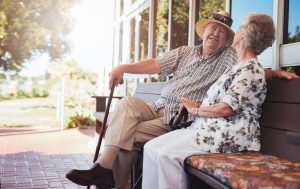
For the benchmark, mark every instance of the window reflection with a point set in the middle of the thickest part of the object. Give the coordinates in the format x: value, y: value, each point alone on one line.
x: 132, y: 39
x: 204, y: 9
x: 241, y: 8
x: 294, y: 21
x: 120, y: 42
x: 144, y: 33
x: 130, y: 86
x: 161, y: 38
x: 121, y: 7
x: 179, y: 23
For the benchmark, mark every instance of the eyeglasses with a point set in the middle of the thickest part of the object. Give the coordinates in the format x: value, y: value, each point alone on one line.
x: 223, y: 19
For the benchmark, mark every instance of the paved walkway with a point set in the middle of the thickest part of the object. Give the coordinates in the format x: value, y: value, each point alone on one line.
x: 39, y: 159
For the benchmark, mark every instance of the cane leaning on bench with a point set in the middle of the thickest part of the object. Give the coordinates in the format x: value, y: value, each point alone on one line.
x: 227, y: 119
x: 135, y: 122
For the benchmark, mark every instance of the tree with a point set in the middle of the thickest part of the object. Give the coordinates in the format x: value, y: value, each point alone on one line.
x: 207, y: 7
x: 28, y: 27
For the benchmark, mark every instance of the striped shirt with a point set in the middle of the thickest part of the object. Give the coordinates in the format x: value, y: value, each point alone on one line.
x: 192, y: 75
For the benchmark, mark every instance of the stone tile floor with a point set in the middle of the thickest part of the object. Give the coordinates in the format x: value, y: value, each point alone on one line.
x: 39, y: 158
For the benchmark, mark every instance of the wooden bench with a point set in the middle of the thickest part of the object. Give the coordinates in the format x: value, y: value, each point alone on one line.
x: 147, y: 92
x: 278, y: 163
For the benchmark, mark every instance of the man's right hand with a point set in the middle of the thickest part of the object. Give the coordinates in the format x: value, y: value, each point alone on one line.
x: 116, y: 76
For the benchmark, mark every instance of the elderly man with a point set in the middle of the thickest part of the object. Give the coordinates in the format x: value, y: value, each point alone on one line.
x: 134, y: 122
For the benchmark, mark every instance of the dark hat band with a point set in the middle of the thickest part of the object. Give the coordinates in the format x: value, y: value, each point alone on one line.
x: 223, y: 19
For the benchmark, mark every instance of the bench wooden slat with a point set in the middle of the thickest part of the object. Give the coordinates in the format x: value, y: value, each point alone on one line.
x: 281, y: 115
x: 147, y: 97
x: 150, y: 88
x: 278, y: 143
x: 282, y: 90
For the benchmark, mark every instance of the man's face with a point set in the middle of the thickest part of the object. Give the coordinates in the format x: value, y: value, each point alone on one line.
x: 214, y: 36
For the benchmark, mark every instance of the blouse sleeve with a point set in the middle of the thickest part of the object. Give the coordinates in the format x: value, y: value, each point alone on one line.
x: 247, y: 83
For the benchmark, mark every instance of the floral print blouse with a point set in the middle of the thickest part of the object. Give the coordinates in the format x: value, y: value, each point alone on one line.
x: 243, y: 88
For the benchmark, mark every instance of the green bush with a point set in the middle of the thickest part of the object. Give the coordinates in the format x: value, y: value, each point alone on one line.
x: 39, y: 92
x: 80, y: 121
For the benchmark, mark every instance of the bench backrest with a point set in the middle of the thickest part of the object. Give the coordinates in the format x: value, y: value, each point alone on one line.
x: 280, y: 120
x: 149, y: 91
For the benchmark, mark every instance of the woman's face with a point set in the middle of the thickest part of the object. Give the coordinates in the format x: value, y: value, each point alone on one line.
x: 238, y: 37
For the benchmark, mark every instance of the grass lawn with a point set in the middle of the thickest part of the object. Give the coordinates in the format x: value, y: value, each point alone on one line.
x: 30, y: 112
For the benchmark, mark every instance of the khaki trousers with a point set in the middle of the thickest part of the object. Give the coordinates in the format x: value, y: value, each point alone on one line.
x: 132, y: 124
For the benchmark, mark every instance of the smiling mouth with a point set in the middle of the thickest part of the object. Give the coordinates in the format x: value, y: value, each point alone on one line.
x: 214, y: 40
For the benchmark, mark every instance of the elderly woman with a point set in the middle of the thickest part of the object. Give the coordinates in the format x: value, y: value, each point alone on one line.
x: 226, y: 121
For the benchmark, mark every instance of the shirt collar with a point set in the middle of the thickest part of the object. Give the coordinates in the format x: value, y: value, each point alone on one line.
x: 219, y: 51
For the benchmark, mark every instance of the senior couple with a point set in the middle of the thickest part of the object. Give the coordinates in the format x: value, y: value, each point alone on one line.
x: 221, y: 84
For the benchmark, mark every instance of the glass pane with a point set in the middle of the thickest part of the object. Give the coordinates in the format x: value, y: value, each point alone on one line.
x: 121, y: 7
x: 133, y: 1
x: 132, y: 40
x: 179, y: 23
x: 294, y: 21
x: 120, y: 43
x: 241, y: 8
x: 293, y: 69
x: 144, y: 29
x: 130, y: 86
x: 161, y: 38
x: 204, y: 9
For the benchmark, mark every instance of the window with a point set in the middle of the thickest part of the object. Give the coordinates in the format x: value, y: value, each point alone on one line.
x: 120, y: 43
x: 204, y: 9
x: 132, y: 1
x: 144, y: 35
x: 132, y: 40
x: 121, y: 7
x: 241, y: 8
x: 293, y: 20
x: 179, y: 23
x: 130, y: 86
x: 161, y: 32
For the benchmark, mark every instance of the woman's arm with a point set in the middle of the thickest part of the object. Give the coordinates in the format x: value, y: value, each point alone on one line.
x: 279, y: 74
x: 216, y: 110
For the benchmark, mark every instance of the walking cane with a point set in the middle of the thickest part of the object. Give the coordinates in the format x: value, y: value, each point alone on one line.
x: 104, y: 124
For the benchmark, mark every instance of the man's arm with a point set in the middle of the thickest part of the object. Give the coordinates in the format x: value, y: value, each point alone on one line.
x: 149, y: 66
x: 279, y: 74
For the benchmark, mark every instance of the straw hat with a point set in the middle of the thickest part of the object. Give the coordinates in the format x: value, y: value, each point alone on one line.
x: 222, y: 18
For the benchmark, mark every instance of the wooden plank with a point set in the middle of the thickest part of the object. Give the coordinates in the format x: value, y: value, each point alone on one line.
x: 151, y: 88
x: 282, y: 90
x: 281, y: 115
x: 147, y: 97
x: 280, y: 143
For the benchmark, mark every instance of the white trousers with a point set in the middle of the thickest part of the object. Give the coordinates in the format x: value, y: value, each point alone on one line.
x: 163, y: 163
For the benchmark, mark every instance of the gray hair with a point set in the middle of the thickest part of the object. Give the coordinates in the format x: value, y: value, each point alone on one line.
x: 259, y: 32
